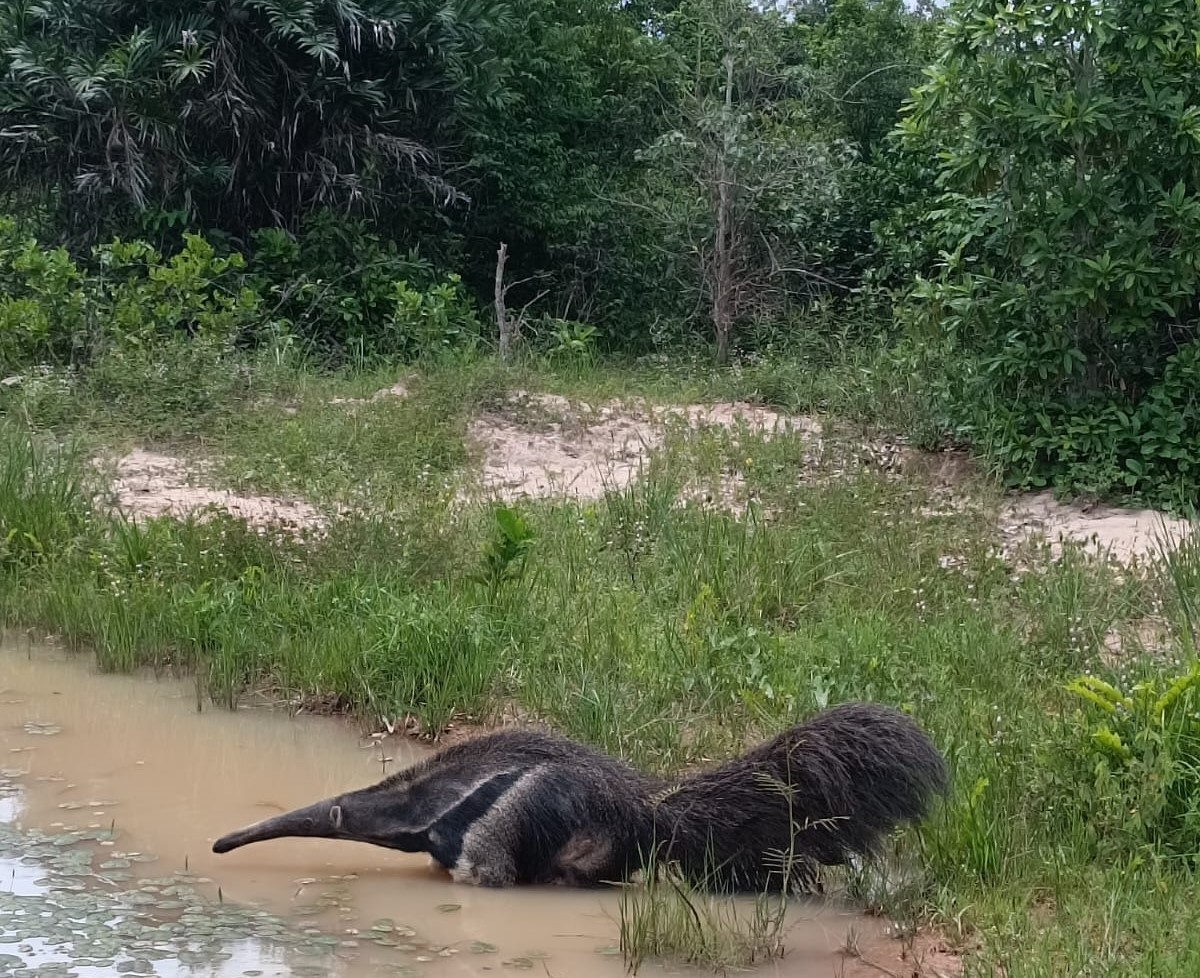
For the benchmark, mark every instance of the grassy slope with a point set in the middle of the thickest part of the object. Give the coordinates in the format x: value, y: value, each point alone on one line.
x: 659, y: 632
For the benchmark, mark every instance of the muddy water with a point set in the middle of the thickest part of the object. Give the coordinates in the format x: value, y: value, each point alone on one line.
x: 146, y: 783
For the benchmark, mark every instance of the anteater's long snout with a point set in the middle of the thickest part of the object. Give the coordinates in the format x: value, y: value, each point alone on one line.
x: 322, y: 820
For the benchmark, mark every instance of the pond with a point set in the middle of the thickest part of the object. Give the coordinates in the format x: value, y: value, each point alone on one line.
x: 113, y: 788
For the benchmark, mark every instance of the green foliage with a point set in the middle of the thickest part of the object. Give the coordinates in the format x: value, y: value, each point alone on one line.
x: 347, y: 290
x: 43, y: 307
x: 233, y: 115
x: 668, y: 918
x: 141, y: 332
x: 1060, y: 315
x: 172, y: 340
x: 43, y: 502
x: 54, y: 310
x: 195, y: 292
x: 867, y: 56
x: 424, y: 323
x: 571, y: 341
x: 242, y: 120
x: 741, y: 177
x: 1138, y: 752
x: 504, y: 556
x: 552, y: 168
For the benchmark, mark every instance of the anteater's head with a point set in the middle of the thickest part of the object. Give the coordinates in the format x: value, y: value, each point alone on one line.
x: 384, y: 814
x: 413, y: 810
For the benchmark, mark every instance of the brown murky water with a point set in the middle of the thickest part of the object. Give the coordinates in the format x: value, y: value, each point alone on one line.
x: 94, y: 750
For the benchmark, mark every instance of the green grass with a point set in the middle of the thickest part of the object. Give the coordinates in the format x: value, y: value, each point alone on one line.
x: 660, y: 631
x: 663, y: 919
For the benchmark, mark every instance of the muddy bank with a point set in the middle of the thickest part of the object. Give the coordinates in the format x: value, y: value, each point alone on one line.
x: 139, y: 782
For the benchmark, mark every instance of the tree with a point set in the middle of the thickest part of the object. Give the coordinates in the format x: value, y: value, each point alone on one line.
x: 743, y: 175
x: 586, y: 86
x: 235, y: 114
x: 867, y: 56
x: 1065, y: 307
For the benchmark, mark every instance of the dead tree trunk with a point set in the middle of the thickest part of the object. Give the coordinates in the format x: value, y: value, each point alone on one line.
x: 501, y: 313
x: 723, y: 257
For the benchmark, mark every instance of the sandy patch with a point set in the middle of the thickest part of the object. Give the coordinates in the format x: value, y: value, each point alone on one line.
x: 520, y: 463
x: 398, y: 389
x: 151, y: 484
x: 734, y: 414
x: 1144, y: 636
x: 543, y: 445
x: 1123, y: 534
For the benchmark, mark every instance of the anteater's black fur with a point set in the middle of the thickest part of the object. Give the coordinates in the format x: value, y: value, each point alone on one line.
x: 814, y: 794
x: 521, y: 806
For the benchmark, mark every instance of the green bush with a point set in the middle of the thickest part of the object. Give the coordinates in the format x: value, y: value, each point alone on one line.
x: 1128, y: 771
x: 144, y: 296
x: 349, y: 292
x: 1058, y: 324
x: 43, y: 304
x: 54, y: 310
x: 346, y: 290
x: 165, y: 337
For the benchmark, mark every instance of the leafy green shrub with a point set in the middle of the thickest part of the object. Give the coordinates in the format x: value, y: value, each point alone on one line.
x: 423, y: 323
x: 348, y: 291
x: 504, y: 555
x: 56, y: 310
x: 142, y: 331
x: 1060, y: 318
x: 43, y: 307
x: 1133, y: 758
x: 332, y: 280
x: 145, y: 296
x: 571, y: 340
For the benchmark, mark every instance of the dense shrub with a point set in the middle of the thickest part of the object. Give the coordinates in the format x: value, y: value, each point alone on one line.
x: 129, y: 297
x: 165, y: 336
x: 350, y: 291
x: 1062, y: 314
x: 1127, y: 771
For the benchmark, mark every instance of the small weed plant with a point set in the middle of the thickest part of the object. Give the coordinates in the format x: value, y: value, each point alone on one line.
x: 1141, y: 748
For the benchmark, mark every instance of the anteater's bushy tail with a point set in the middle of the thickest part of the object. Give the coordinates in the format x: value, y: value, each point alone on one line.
x: 825, y: 790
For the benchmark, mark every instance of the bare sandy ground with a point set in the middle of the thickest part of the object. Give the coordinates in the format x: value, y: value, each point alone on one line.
x: 536, y: 446
x: 151, y: 484
x: 542, y: 445
x: 1123, y: 534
